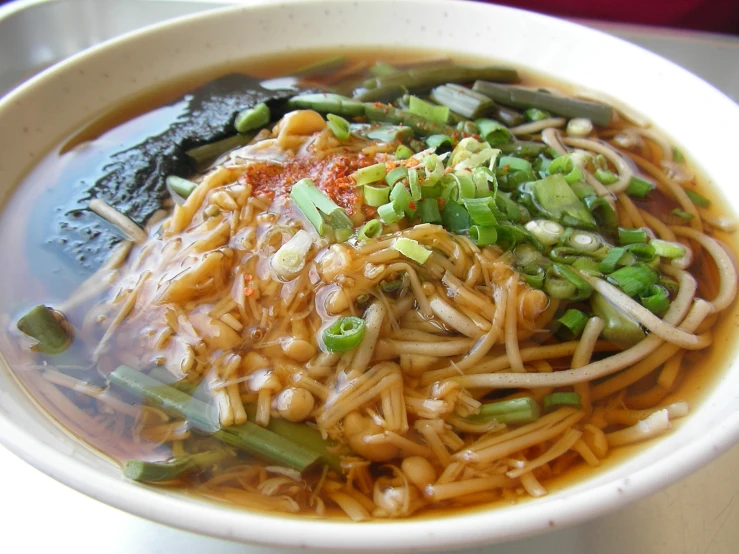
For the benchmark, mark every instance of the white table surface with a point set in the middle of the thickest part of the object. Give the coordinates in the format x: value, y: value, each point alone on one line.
x: 699, y: 514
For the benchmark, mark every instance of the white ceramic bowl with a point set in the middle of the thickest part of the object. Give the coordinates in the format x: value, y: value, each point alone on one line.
x: 42, y: 112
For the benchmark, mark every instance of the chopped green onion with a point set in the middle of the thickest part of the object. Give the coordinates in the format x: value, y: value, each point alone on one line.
x: 467, y: 187
x: 677, y: 155
x: 535, y: 114
x: 642, y: 252
x: 380, y: 69
x: 656, y: 299
x: 562, y: 399
x: 639, y: 188
x: 344, y: 334
x: 582, y: 241
x: 554, y: 197
x: 375, y: 196
x: 252, y: 118
x: 580, y: 288
x: 462, y: 100
x: 579, y: 127
x: 440, y: 142
x: 428, y: 110
x: 318, y: 208
x: 181, y: 187
x: 612, y: 259
x: 291, y: 256
x: 402, y: 200
x: 493, y: 132
x: 483, y: 235
x: 588, y: 266
x: 41, y: 323
x: 546, y: 231
x: 567, y: 167
x: 411, y: 249
x: 343, y: 234
x: 369, y: 174
x: 395, y: 175
x: 697, y: 199
x: 338, y: 126
x: 574, y: 321
x: 632, y: 236
x: 509, y: 208
x: 682, y: 214
x: 481, y: 210
x: 390, y: 213
x: 428, y: 211
x: 513, y: 164
x: 632, y: 280
x: 370, y: 230
x: 667, y: 249
x: 414, y: 184
x: 534, y: 275
x: 455, y: 218
x: 603, y: 213
x: 174, y: 468
x: 403, y: 152
x: 508, y: 412
x: 605, y: 176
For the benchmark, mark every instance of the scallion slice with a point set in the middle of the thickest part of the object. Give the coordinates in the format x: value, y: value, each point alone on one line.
x: 546, y: 231
x: 375, y: 196
x: 493, y: 132
x: 639, y: 188
x: 370, y: 230
x: 411, y: 249
x: 291, y: 256
x: 481, y: 210
x: 612, y: 259
x: 442, y: 143
x: 344, y: 334
x: 369, y: 174
x: 682, y: 214
x: 513, y: 411
x: 574, y: 321
x: 252, y: 118
x: 395, y: 175
x: 632, y: 236
x: 428, y: 211
x: 181, y: 187
x: 403, y: 152
x: 562, y: 399
x: 390, y: 213
x: 483, y: 235
x: 338, y: 126
x: 632, y: 280
x: 656, y: 299
x: 667, y: 249
x: 455, y: 218
x: 697, y: 199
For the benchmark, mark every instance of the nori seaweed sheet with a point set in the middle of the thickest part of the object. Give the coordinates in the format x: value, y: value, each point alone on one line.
x: 134, y: 176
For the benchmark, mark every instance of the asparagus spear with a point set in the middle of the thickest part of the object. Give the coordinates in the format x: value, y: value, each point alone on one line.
x: 519, y: 97
x: 42, y: 324
x: 327, y: 103
x: 428, y: 77
x: 422, y: 126
x: 249, y: 436
x: 175, y: 468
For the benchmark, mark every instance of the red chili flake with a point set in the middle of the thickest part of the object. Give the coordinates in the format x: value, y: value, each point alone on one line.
x: 412, y: 205
x: 248, y: 277
x: 249, y: 292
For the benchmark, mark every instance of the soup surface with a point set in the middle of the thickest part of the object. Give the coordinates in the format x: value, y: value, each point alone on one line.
x: 382, y: 286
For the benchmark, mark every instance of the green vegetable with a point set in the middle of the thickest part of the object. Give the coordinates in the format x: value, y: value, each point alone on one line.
x: 481, y: 210
x: 455, y: 218
x: 510, y: 412
x: 556, y: 399
x: 656, y: 299
x: 403, y: 152
x: 639, y: 188
x: 401, y: 199
x: 338, y: 126
x: 667, y: 249
x: 208, y: 153
x: 390, y: 213
x: 318, y: 208
x: 411, y: 249
x: 440, y: 142
x: 547, y: 232
x: 697, y: 199
x: 462, y: 100
x: 428, y: 211
x: 428, y: 77
x: 420, y: 125
x: 327, y: 102
x: 428, y: 110
x: 175, y: 468
x: 564, y: 283
x: 633, y: 279
x: 632, y: 236
x: 370, y: 230
x: 682, y: 214
x: 181, y: 187
x: 344, y: 334
x: 518, y: 97
x: 535, y: 114
x: 554, y: 198
x: 41, y: 323
x: 204, y: 418
x: 493, y: 132
x: 376, y: 196
x: 617, y: 326
x: 574, y: 321
x: 483, y: 235
x: 369, y: 174
x: 605, y: 176
x: 252, y: 118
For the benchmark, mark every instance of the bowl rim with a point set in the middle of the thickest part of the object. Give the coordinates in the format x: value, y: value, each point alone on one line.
x: 427, y: 533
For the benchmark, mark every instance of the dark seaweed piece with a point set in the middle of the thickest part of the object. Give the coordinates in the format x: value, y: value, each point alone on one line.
x: 134, y: 173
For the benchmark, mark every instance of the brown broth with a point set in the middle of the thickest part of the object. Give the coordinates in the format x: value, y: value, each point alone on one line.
x: 40, y: 277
